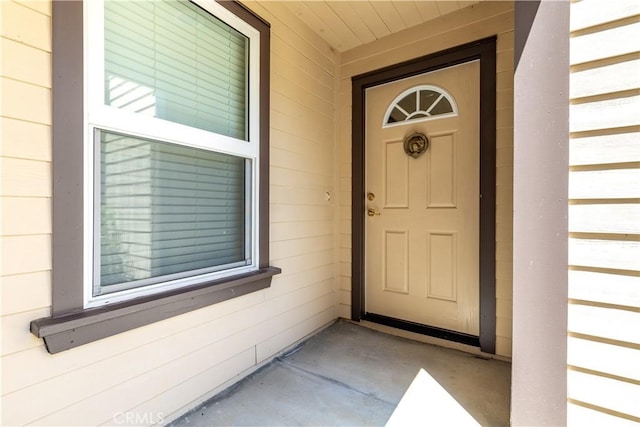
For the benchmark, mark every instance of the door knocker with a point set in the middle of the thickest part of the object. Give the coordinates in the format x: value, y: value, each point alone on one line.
x: 416, y: 144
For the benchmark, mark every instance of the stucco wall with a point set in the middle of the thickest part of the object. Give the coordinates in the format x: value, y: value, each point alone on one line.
x: 472, y: 23
x: 604, y: 214
x: 154, y: 373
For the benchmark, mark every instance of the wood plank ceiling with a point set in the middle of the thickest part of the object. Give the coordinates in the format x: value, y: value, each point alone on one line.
x: 347, y: 24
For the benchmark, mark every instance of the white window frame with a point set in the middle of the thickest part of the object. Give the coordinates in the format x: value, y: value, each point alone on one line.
x: 97, y: 115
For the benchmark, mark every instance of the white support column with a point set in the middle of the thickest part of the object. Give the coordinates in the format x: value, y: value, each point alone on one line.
x: 541, y: 138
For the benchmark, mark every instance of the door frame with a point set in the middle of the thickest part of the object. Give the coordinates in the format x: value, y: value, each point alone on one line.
x: 483, y: 50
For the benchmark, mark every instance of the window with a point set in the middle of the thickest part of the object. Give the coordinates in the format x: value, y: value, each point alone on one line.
x: 160, y: 135
x: 420, y: 103
x: 169, y: 95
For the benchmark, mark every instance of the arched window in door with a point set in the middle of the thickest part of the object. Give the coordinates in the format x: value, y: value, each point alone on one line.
x: 420, y: 103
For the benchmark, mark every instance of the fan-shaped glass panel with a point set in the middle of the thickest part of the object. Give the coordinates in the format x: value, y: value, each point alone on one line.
x: 443, y: 106
x: 420, y: 103
x: 408, y: 103
x: 397, y: 116
x: 427, y: 98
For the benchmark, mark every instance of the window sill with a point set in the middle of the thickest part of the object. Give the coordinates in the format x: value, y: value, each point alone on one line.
x: 75, y: 329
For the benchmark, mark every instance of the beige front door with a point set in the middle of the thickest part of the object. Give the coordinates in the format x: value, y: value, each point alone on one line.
x: 422, y: 216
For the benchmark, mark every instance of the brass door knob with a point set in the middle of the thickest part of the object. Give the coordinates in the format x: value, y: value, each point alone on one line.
x: 372, y: 212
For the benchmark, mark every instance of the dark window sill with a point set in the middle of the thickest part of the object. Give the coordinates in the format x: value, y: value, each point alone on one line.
x: 75, y: 329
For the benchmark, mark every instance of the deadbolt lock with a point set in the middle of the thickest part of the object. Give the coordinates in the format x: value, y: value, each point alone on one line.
x: 371, y: 197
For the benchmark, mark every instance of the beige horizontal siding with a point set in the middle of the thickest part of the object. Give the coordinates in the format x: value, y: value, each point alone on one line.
x: 25, y: 140
x: 604, y: 287
x: 607, y: 253
x: 616, y: 395
x: 161, y: 370
x: 582, y: 414
x: 617, y: 77
x: 24, y: 292
x: 609, y: 359
x: 604, y: 214
x: 605, y: 322
x: 25, y: 182
x: 25, y: 63
x: 28, y: 23
x: 618, y: 112
x: 44, y: 367
x: 25, y: 178
x: 586, y: 14
x: 481, y: 20
x: 39, y: 112
x: 605, y: 42
x: 605, y: 183
x: 602, y: 148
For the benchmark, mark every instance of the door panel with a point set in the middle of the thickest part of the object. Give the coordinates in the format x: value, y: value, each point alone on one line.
x: 421, y: 228
x: 396, y: 173
x: 441, y: 176
x: 396, y: 261
x: 441, y: 256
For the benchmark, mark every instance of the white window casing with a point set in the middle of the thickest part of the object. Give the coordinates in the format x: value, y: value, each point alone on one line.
x: 100, y: 117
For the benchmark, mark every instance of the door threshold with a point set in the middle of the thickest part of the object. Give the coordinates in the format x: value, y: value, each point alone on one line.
x: 419, y: 328
x: 414, y: 336
x: 393, y: 327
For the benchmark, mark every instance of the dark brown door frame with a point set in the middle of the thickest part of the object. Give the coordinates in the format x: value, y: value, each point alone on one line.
x: 485, y: 51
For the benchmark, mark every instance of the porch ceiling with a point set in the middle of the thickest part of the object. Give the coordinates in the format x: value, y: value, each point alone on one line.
x: 348, y: 24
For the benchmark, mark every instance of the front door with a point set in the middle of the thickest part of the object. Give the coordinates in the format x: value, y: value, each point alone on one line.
x: 422, y: 199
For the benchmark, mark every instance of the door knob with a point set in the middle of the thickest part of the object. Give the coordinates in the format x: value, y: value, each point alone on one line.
x: 372, y: 212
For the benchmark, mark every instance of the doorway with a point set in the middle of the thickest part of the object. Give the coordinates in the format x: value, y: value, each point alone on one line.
x: 423, y: 200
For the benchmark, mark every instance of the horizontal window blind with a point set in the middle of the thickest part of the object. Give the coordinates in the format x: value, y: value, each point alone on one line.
x: 177, y: 62
x: 167, y: 211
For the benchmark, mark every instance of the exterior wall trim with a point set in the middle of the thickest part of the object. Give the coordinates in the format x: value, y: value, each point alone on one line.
x: 72, y: 330
x: 485, y: 51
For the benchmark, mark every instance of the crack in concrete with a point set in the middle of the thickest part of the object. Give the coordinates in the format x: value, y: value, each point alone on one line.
x: 333, y: 381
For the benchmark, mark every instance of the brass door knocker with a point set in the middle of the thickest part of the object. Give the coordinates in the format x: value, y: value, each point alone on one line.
x: 416, y: 144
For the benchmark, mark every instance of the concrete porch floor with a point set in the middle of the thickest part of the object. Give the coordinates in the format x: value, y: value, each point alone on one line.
x: 349, y: 375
